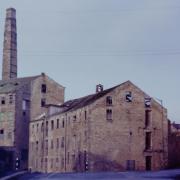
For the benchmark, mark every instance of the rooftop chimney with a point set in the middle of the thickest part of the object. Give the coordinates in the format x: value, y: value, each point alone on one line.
x: 10, y: 46
x: 99, y: 88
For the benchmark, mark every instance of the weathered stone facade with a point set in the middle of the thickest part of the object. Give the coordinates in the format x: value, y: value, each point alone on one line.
x: 21, y: 100
x: 174, y: 145
x: 111, y: 130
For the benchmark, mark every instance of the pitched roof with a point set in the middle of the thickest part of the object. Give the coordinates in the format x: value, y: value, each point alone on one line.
x: 75, y: 104
x: 11, y: 85
x: 177, y: 126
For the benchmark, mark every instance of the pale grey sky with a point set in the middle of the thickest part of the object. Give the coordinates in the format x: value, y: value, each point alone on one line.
x: 81, y: 43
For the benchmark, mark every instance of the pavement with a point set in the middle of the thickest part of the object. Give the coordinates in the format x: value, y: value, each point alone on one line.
x: 159, y: 175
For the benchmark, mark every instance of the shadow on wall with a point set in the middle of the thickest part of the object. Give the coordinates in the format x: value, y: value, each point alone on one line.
x: 174, y: 150
x: 100, y: 163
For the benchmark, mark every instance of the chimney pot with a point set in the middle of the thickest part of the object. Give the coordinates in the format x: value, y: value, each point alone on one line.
x: 99, y: 88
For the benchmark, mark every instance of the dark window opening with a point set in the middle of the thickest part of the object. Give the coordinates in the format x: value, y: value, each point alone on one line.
x: 109, y: 101
x: 37, y: 143
x: 37, y: 127
x: 43, y: 88
x: 52, y: 125
x: 74, y: 118
x: 46, y: 128
x: 10, y: 99
x: 57, y: 124
x: 68, y: 158
x: 148, y: 140
x: 147, y: 118
x: 3, y: 101
x: 43, y: 102
x: 57, y: 145
x: 85, y: 115
x: 62, y: 142
x: 128, y: 96
x: 2, y: 131
x: 148, y: 163
x: 52, y: 144
x: 42, y: 127
x: 63, y: 123
x: 24, y: 113
x: 109, y: 114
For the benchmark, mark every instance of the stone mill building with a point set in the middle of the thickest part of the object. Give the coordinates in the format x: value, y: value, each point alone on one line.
x: 121, y: 128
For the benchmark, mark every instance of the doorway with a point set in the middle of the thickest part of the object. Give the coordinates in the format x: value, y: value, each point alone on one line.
x: 148, y: 163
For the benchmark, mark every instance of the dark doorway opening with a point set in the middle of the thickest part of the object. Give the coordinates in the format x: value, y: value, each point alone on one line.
x: 148, y: 163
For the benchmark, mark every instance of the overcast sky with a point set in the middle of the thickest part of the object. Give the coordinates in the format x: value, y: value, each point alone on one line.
x: 80, y: 43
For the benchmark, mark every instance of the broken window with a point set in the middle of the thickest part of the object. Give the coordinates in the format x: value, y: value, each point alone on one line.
x: 128, y: 96
x: 147, y: 102
x: 43, y: 88
x: 109, y: 101
x: 147, y: 118
x: 148, y: 140
x: 3, y: 100
x: 109, y: 114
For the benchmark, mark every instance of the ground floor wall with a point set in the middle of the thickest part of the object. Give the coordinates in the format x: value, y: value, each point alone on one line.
x: 12, y: 159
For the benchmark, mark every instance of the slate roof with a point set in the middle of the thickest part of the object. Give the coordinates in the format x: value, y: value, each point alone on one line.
x: 9, y: 86
x: 75, y: 104
x: 177, y: 126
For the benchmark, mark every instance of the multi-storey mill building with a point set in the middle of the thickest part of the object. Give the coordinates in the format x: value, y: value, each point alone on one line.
x: 21, y: 99
x: 120, y: 128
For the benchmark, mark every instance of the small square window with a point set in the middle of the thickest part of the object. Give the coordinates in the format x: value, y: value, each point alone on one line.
x: 2, y: 131
x: 3, y: 100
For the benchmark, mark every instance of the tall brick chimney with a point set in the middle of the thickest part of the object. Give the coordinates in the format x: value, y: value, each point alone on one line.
x: 9, y: 68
